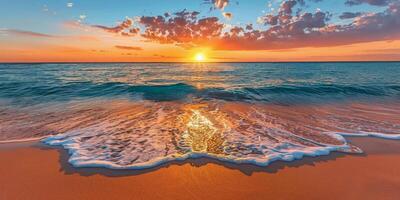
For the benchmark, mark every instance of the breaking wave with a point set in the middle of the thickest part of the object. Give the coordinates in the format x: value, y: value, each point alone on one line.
x: 125, y: 134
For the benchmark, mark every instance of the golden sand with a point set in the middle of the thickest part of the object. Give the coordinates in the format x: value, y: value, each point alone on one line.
x: 34, y: 171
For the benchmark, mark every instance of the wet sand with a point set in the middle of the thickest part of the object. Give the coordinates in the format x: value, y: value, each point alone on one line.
x: 35, y: 171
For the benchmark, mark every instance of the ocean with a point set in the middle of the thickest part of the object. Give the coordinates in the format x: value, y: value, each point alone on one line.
x: 140, y: 115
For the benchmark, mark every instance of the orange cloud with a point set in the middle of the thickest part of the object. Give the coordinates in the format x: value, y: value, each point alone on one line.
x: 182, y: 27
x: 124, y: 28
x: 218, y: 4
x: 227, y: 15
x: 286, y: 29
x: 132, y: 48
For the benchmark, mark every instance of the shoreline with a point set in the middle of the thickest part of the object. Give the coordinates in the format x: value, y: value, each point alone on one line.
x: 65, y: 152
x: 31, y: 170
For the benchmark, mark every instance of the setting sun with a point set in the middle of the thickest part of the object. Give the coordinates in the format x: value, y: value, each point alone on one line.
x: 200, y: 57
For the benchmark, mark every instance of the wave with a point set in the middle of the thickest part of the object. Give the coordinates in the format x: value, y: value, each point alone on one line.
x: 79, y: 157
x: 181, y: 91
x: 90, y: 90
x: 123, y: 134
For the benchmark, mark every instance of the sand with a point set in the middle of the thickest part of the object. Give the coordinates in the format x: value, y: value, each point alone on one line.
x: 34, y: 171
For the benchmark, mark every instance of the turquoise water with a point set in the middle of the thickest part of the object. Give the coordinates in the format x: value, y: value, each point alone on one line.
x: 138, y: 115
x: 269, y: 82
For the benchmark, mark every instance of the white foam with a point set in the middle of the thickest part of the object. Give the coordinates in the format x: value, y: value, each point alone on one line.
x: 194, y: 142
x: 371, y: 134
x: 22, y: 140
x: 78, y: 159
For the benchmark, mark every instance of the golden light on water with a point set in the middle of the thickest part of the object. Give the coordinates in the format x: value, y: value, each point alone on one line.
x: 201, y: 134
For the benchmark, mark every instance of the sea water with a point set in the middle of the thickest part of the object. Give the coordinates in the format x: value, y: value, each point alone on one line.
x: 139, y: 115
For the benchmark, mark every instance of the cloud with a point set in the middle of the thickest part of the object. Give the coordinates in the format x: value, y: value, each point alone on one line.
x: 25, y: 33
x: 124, y: 28
x: 164, y: 56
x: 70, y: 5
x: 180, y: 27
x: 218, y: 4
x: 284, y: 15
x: 390, y: 50
x: 284, y: 30
x: 313, y: 30
x: 227, y: 15
x: 350, y: 15
x: 371, y: 2
x: 131, y: 48
x: 286, y: 7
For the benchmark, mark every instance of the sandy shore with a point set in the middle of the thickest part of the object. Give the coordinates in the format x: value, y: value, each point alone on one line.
x: 34, y: 171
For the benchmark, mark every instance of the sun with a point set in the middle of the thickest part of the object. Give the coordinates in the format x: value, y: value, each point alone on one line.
x: 200, y: 57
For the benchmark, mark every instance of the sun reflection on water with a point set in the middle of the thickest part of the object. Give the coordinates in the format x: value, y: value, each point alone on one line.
x: 201, y: 135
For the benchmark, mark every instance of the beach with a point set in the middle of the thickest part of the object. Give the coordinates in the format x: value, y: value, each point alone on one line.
x: 32, y: 170
x: 207, y: 99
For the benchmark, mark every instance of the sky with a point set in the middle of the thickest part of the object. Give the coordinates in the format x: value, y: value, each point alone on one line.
x: 181, y: 30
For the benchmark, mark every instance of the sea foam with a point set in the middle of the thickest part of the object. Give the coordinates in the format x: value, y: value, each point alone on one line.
x: 138, y: 136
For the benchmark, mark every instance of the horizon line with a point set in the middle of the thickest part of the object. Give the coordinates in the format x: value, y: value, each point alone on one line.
x: 96, y: 62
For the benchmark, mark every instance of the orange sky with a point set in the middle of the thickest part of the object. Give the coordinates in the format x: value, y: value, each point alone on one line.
x: 91, y: 45
x: 103, y: 49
